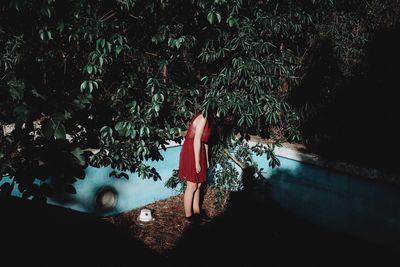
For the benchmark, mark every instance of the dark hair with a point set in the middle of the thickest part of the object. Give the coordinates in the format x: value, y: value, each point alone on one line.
x: 216, y: 124
x: 211, y: 116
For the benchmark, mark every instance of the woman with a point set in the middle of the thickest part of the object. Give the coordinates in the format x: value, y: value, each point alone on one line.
x: 193, y: 164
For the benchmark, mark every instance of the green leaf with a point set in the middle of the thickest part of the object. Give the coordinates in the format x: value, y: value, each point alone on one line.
x: 211, y: 17
x: 118, y: 49
x: 218, y: 16
x: 59, y: 131
x: 232, y: 22
x: 78, y: 154
x: 41, y: 34
x: 89, y: 69
x: 101, y: 61
x: 90, y: 86
x: 83, y: 85
x: 60, y: 26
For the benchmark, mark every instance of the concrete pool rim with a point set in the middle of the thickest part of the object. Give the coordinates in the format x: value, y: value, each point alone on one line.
x: 299, y: 153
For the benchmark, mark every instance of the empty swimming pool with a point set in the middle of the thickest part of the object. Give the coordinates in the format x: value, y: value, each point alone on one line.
x: 359, y: 206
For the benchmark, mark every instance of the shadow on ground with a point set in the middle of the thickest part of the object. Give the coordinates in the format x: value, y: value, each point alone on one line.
x: 34, y: 234
x: 255, y: 231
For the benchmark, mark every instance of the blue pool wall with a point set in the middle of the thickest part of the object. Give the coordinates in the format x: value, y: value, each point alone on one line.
x: 132, y: 193
x: 358, y: 206
x: 346, y: 202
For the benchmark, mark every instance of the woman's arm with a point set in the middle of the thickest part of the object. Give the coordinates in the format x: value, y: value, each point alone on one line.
x: 199, y: 123
x: 206, y: 149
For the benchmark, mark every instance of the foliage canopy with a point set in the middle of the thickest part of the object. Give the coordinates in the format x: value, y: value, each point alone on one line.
x: 125, y: 76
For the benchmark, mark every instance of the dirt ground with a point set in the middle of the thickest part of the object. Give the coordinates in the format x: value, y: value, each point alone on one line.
x: 163, y: 233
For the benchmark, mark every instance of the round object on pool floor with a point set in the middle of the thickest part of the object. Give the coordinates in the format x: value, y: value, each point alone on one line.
x: 106, y: 198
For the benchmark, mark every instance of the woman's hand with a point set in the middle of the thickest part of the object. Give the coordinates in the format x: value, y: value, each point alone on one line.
x: 198, y: 168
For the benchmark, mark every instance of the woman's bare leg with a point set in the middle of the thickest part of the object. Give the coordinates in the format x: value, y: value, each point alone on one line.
x: 188, y: 197
x: 196, y: 200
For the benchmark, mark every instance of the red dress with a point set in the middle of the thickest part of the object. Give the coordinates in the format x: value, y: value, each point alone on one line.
x: 187, y: 165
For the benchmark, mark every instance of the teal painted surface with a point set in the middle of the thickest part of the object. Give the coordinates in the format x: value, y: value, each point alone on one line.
x: 132, y: 193
x: 361, y: 207
x: 358, y: 206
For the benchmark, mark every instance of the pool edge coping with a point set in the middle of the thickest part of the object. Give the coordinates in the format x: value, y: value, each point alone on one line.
x: 293, y: 152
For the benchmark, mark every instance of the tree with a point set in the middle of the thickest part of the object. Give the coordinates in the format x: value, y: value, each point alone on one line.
x: 124, y: 77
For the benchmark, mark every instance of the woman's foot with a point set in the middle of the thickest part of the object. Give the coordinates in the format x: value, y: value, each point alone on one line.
x: 192, y: 220
x: 203, y: 217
